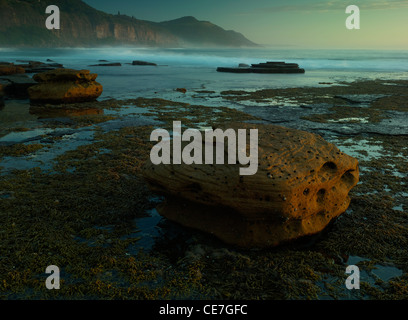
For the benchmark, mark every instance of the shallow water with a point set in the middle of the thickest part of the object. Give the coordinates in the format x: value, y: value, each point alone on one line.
x: 44, y: 158
x: 195, y: 69
x: 384, y: 272
x: 352, y: 148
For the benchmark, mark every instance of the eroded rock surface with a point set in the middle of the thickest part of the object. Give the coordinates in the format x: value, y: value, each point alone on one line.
x: 301, y: 185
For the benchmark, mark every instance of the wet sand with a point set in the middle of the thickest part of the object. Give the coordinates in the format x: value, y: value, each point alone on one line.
x: 71, y: 195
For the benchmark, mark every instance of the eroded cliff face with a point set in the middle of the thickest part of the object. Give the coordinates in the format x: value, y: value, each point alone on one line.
x: 23, y: 24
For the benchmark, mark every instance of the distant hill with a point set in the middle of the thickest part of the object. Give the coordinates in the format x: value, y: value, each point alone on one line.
x: 193, y: 32
x: 22, y: 24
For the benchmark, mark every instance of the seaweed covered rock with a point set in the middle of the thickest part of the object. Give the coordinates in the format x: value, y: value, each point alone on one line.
x: 301, y: 185
x: 65, y: 86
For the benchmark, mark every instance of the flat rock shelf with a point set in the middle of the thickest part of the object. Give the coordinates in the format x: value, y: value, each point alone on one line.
x: 268, y: 67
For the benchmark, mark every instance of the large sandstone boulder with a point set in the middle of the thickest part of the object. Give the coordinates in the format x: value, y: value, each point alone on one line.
x: 65, y: 86
x: 302, y: 184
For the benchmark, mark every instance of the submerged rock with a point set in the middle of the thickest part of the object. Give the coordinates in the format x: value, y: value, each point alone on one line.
x: 301, y: 185
x: 65, y: 86
x: 47, y: 112
x: 182, y: 90
x: 16, y: 86
x: 38, y: 66
x: 113, y: 64
x: 143, y: 63
x: 10, y: 69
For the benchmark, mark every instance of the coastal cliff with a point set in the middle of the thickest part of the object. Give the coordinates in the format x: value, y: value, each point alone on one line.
x: 23, y: 25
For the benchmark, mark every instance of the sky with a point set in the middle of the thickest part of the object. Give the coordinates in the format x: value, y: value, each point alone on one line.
x: 284, y: 23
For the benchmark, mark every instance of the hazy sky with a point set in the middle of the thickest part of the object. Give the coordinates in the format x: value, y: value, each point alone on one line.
x: 300, y: 23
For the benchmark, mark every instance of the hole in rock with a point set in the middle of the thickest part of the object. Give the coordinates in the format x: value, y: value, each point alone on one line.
x: 320, y: 195
x: 329, y: 166
x: 348, y: 178
x: 306, y: 192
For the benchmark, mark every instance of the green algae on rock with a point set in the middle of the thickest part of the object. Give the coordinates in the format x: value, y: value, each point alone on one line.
x: 19, y: 150
x: 53, y: 218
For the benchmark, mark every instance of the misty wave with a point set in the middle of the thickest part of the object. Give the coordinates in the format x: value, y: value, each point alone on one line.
x: 369, y: 60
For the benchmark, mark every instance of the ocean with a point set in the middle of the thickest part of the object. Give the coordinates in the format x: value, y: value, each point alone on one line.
x: 195, y: 69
